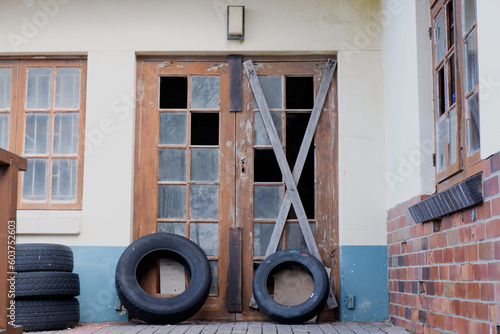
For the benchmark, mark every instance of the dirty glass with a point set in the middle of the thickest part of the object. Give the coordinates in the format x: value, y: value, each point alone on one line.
x: 204, y: 92
x: 267, y: 201
x: 214, y: 288
x: 204, y: 164
x: 262, y: 235
x: 171, y: 201
x: 4, y: 131
x: 5, y: 87
x: 39, y: 89
x: 64, y: 178
x: 295, y: 238
x: 259, y: 130
x: 441, y: 143
x: 473, y: 123
x: 172, y: 165
x: 272, y: 87
x: 36, y: 138
x: 204, y: 201
x: 470, y: 62
x: 65, y: 133
x: 453, y: 136
x: 468, y: 14
x: 67, y: 88
x: 173, y: 129
x: 35, y: 180
x: 439, y: 37
x: 205, y: 235
x: 174, y: 228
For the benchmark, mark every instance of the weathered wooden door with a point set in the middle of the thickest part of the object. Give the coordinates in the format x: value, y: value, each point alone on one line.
x: 202, y: 169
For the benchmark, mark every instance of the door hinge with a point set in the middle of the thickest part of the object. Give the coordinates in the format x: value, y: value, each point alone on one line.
x: 433, y: 159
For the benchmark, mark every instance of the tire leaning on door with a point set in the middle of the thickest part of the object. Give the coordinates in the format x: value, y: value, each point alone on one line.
x: 297, y: 313
x: 163, y: 310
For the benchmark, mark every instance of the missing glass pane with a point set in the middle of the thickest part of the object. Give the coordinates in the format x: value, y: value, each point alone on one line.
x: 266, y: 168
x: 296, y: 125
x: 452, y: 93
x: 204, y: 129
x: 173, y: 92
x: 451, y: 24
x: 441, y: 92
x: 5, y: 83
x: 299, y: 92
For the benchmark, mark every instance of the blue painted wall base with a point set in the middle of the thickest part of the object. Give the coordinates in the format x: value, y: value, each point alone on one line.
x: 364, y: 275
x: 96, y: 267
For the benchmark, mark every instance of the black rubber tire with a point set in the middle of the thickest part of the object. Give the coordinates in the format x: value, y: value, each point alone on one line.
x: 45, y: 284
x: 47, y: 314
x: 43, y: 257
x: 163, y: 310
x: 297, y: 313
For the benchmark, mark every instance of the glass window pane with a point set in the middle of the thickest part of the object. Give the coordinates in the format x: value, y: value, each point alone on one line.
x: 66, y: 133
x: 272, y: 87
x: 439, y: 37
x: 205, y: 165
x: 37, y: 133
x: 67, y: 88
x: 468, y: 14
x: 453, y: 136
x: 35, y: 180
x: 171, y: 201
x: 173, y: 129
x: 441, y: 143
x: 259, y: 131
x: 267, y: 201
x: 294, y: 236
x: 5, y: 87
x: 174, y: 228
x: 470, y: 60
x: 172, y: 165
x: 4, y: 131
x: 205, y: 235
x: 262, y: 235
x: 64, y: 179
x: 39, y: 89
x: 205, y: 92
x: 204, y: 202
x: 473, y: 123
x: 214, y: 289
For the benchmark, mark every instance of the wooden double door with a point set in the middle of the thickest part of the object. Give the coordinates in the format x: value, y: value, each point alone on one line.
x: 201, y: 169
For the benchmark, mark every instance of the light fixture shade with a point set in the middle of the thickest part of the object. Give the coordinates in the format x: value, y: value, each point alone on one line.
x: 236, y: 22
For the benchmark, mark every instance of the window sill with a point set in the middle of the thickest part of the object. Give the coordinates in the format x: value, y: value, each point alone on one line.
x: 49, y: 222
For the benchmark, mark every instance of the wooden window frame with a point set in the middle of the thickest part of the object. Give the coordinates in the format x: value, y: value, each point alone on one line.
x: 466, y: 165
x: 17, y: 120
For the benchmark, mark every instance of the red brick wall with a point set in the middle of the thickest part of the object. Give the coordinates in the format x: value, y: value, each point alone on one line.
x: 444, y: 275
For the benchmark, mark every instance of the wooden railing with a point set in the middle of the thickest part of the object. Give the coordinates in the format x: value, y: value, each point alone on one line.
x: 10, y: 165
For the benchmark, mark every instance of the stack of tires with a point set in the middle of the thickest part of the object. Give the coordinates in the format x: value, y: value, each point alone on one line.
x: 46, y: 287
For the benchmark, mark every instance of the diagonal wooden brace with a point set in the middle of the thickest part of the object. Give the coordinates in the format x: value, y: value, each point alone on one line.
x: 291, y: 180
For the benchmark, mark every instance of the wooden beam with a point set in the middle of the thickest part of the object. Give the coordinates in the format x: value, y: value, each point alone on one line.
x: 235, y: 304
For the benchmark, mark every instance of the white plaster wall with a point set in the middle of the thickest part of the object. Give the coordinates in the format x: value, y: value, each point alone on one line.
x: 489, y: 76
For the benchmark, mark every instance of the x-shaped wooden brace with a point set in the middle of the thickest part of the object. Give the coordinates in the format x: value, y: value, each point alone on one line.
x: 291, y: 180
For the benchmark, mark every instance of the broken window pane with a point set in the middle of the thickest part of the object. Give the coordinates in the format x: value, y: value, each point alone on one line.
x: 468, y: 14
x: 67, y: 88
x: 172, y: 165
x: 204, y: 165
x: 453, y: 136
x: 452, y: 96
x: 470, y: 60
x: 473, y: 123
x: 267, y: 201
x: 295, y: 238
x: 37, y: 133
x: 65, y: 133
x: 204, y: 92
x: 204, y: 201
x: 262, y: 236
x: 174, y: 228
x: 5, y: 87
x: 204, y: 129
x: 64, y: 179
x: 451, y: 24
x: 171, y: 201
x: 439, y: 37
x: 299, y: 92
x: 259, y: 131
x: 266, y: 168
x: 4, y: 131
x: 272, y: 87
x: 173, y: 92
x: 206, y: 235
x: 441, y: 143
x: 39, y: 89
x: 173, y: 129
x: 214, y: 288
x: 35, y: 180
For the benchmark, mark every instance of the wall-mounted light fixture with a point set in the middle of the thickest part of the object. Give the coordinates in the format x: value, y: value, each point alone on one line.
x: 236, y: 22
